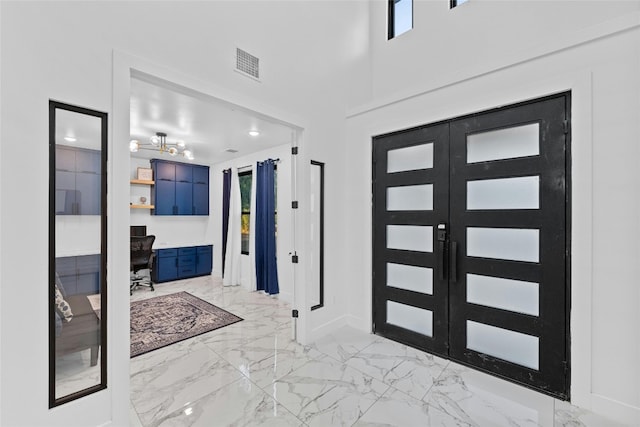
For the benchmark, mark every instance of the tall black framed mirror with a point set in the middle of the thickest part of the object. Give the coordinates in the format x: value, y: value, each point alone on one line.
x: 316, y: 222
x: 77, y: 252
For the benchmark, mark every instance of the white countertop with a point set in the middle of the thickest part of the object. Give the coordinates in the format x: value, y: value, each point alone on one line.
x: 168, y: 245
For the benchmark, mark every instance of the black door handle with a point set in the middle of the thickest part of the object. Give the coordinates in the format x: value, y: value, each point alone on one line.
x: 454, y: 262
x: 442, y: 239
x: 440, y: 266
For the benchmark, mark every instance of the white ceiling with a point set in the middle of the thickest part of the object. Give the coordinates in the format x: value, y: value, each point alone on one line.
x: 84, y: 128
x: 207, y: 125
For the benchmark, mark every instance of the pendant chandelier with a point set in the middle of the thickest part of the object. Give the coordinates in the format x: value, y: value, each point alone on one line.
x: 158, y: 142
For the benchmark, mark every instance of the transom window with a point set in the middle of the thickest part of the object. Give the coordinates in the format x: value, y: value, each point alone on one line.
x: 454, y: 3
x: 400, y: 17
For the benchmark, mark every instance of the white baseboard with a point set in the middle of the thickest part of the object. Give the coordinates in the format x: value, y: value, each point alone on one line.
x: 618, y: 411
x: 327, y: 328
x: 346, y: 320
x: 359, y: 324
x: 286, y: 297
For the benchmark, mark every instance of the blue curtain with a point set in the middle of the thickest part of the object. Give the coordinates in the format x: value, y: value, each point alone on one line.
x: 265, y: 233
x: 226, y: 195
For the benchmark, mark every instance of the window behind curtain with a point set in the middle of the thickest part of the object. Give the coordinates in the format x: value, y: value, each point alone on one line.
x: 245, y: 197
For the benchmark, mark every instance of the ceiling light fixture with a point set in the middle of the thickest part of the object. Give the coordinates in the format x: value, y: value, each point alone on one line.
x: 70, y: 139
x: 158, y: 142
x: 254, y: 133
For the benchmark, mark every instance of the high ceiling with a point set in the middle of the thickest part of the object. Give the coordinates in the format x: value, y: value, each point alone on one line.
x: 207, y: 125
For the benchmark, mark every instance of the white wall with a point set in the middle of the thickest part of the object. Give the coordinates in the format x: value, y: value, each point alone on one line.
x: 65, y: 51
x: 283, y: 205
x: 599, y: 63
x: 450, y: 44
x: 478, y: 56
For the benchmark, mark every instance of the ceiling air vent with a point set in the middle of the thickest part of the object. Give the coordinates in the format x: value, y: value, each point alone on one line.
x: 230, y: 150
x: 247, y: 64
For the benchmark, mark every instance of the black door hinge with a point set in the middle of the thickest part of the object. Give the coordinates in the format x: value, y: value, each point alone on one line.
x: 294, y: 259
x: 294, y: 204
x: 294, y: 151
x: 566, y: 126
x: 294, y: 313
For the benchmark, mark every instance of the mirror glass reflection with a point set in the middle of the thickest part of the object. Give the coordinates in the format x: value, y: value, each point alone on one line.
x: 77, y: 262
x: 316, y: 228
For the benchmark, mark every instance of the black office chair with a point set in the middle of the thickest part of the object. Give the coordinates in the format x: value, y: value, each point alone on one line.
x: 141, y: 259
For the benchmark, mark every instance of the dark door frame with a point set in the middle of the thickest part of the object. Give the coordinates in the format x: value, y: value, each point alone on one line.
x: 563, y: 392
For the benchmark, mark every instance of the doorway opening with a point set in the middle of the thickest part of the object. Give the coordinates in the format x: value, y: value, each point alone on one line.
x: 217, y: 135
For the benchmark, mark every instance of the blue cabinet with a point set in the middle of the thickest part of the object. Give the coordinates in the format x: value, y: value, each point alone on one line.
x: 79, y: 274
x: 163, y: 197
x: 165, y: 266
x: 184, y: 198
x: 181, y: 263
x: 180, y: 188
x: 200, y: 190
x: 187, y: 262
x: 203, y: 260
x: 184, y: 172
x: 77, y: 181
x: 200, y: 174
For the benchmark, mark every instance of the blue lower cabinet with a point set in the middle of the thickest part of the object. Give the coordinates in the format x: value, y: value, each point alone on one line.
x: 204, y: 262
x: 180, y: 263
x: 187, y: 262
x: 165, y: 265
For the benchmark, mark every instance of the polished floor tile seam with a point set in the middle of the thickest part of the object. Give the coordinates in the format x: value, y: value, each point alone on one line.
x: 390, y: 386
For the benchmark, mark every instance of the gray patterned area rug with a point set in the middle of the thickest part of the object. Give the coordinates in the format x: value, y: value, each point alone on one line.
x: 160, y: 321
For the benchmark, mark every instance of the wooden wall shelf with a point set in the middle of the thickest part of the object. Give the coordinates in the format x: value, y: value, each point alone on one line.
x: 141, y: 206
x: 142, y: 182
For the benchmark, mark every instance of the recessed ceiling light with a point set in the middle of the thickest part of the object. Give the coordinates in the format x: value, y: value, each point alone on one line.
x: 254, y: 133
x: 69, y: 139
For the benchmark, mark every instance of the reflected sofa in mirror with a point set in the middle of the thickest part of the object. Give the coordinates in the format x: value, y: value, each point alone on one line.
x: 77, y: 252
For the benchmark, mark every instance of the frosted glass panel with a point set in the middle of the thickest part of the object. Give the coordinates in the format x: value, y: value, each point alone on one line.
x: 502, y: 343
x: 410, y: 237
x: 411, y: 278
x: 410, y: 198
x: 519, y: 141
x: 505, y: 193
x: 413, y: 318
x: 507, y: 294
x: 410, y: 158
x: 518, y: 244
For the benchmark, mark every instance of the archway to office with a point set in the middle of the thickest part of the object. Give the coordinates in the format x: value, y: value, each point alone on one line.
x: 126, y: 68
x: 233, y: 149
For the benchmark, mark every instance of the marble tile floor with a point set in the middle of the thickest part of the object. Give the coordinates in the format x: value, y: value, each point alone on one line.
x: 252, y: 374
x: 74, y: 372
